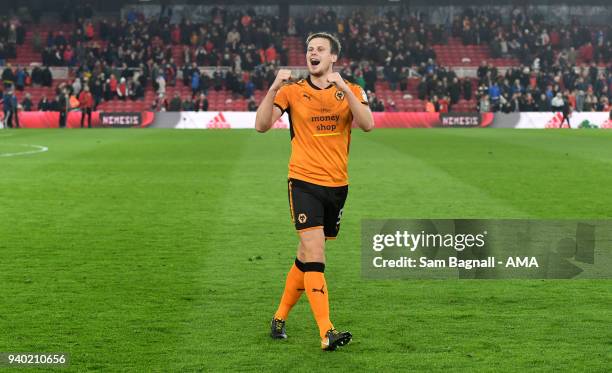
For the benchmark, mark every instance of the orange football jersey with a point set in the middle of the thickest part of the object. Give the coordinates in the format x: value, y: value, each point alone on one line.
x: 320, y: 126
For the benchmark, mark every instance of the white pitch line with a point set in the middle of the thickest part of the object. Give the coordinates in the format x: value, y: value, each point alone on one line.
x: 39, y: 149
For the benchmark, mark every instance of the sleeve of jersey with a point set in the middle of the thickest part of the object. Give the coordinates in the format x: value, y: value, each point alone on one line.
x: 360, y: 94
x: 281, y: 100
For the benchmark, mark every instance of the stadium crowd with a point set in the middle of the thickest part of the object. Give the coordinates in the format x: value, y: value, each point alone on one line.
x: 12, y: 34
x: 523, y: 89
x: 122, y: 59
x: 549, y: 58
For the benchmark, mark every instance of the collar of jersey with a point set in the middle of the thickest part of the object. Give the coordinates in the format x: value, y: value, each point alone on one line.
x: 314, y: 86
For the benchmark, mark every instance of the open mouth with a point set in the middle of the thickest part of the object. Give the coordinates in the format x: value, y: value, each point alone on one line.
x: 314, y: 62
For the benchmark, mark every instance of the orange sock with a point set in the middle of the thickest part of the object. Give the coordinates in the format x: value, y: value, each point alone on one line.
x: 316, y: 290
x: 294, y: 287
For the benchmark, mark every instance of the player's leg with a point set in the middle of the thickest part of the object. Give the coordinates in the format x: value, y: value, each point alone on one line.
x: 333, y: 208
x: 313, y: 243
x: 310, y: 215
x: 294, y: 287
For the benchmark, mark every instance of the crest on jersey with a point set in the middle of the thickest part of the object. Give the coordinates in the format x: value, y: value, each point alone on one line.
x: 364, y: 97
x: 339, y: 95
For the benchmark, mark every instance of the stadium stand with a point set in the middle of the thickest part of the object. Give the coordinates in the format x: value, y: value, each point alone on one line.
x: 406, y: 63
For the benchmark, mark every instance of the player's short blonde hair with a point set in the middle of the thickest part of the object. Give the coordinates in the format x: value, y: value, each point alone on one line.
x: 333, y: 41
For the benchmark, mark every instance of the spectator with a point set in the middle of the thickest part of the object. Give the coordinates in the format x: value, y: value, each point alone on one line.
x: 97, y: 90
x: 590, y: 102
x: 369, y: 75
x: 233, y: 38
x: 430, y: 106
x: 175, y: 103
x: 122, y: 89
x: 20, y: 79
x: 252, y: 105
x: 566, y: 109
x: 202, y: 103
x: 113, y: 83
x: 443, y: 104
x: 8, y: 76
x: 454, y: 91
x: 10, y: 109
x: 359, y: 79
x: 86, y: 104
x: 136, y: 91
x: 375, y: 103
x: 161, y: 84
x: 249, y: 89
x: 467, y: 89
x: 188, y: 104
x: 47, y: 78
x: 271, y: 54
x: 494, y: 94
x: 77, y: 86
x: 544, y: 104
x: 218, y: 79
x: 422, y: 89
x: 160, y: 103
x: 557, y: 103
x: 63, y: 105
x: 89, y: 31
x: 527, y: 103
x: 392, y: 76
x: 484, y: 105
x: 170, y: 74
x: 37, y: 42
x: 43, y: 104
x: 604, y: 104
x: 26, y: 103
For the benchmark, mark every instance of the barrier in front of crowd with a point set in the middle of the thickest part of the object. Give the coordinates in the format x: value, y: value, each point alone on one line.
x: 246, y: 120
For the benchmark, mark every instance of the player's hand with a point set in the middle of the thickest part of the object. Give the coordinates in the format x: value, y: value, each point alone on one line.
x: 336, y: 79
x: 282, y: 77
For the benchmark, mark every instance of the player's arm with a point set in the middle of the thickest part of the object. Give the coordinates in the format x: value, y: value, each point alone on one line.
x: 361, y: 113
x: 268, y: 113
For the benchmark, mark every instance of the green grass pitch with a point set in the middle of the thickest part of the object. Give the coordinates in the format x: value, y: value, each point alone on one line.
x: 136, y: 250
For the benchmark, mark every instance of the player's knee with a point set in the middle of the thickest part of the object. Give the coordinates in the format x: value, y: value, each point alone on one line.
x: 312, y: 246
x: 317, y: 256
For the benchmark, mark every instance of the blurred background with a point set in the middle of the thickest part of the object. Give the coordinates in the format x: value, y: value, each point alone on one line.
x: 436, y: 55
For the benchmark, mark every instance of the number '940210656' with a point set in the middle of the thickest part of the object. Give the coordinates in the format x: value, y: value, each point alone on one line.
x: 25, y: 358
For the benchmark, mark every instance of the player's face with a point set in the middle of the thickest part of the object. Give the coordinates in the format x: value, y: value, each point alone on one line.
x: 319, y: 58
